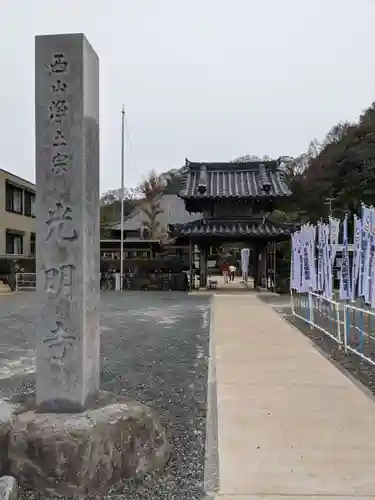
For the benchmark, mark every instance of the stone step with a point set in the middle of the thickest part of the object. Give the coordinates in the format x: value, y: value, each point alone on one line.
x: 4, y: 288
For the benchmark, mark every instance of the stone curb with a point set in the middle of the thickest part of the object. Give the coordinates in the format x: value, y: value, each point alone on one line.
x: 211, y: 468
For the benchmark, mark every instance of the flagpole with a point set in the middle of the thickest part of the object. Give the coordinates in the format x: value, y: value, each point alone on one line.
x: 122, y: 196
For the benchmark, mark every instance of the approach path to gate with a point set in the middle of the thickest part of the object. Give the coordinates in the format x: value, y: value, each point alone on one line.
x: 290, y: 424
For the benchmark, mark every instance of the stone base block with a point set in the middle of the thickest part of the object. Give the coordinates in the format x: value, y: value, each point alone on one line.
x: 75, y: 454
x: 8, y: 488
x: 6, y: 419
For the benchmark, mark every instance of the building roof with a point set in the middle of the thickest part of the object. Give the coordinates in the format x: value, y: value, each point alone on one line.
x: 128, y: 240
x: 233, y: 180
x: 18, y: 180
x: 173, y: 211
x: 254, y: 227
x: 115, y: 244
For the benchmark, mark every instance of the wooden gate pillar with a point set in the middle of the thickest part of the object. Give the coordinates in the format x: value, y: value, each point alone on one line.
x: 203, y: 265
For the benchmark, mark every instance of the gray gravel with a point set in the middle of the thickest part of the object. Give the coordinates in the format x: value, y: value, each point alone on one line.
x: 155, y: 350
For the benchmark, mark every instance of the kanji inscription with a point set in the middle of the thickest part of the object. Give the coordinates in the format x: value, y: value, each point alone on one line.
x: 58, y: 110
x: 59, y: 139
x: 59, y: 280
x: 60, y: 162
x: 59, y: 342
x: 59, y: 223
x: 59, y: 86
x: 58, y: 65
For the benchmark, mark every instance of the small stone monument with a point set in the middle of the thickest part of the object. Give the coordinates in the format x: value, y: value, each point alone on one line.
x: 72, y: 439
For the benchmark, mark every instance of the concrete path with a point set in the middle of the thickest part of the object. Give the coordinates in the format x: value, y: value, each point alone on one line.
x: 290, y: 424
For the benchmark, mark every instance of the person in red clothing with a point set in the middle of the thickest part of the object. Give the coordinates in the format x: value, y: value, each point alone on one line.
x: 225, y: 271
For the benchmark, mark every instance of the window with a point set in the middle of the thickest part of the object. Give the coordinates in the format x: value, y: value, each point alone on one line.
x: 29, y: 204
x: 32, y: 243
x: 13, y: 198
x: 14, y: 243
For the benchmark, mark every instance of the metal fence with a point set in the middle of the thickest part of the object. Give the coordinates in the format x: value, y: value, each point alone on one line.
x: 25, y: 281
x: 111, y: 281
x: 350, y: 324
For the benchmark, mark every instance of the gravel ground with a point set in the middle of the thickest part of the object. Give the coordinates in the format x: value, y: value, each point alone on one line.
x: 154, y: 350
x: 362, y: 370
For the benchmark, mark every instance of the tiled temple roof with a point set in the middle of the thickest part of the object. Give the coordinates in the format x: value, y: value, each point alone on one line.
x: 233, y: 180
x: 217, y: 227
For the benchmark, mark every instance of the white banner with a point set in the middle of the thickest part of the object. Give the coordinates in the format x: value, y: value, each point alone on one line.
x: 372, y: 261
x: 356, y: 261
x: 293, y: 263
x: 299, y: 268
x: 313, y: 283
x: 245, y: 252
x: 305, y: 233
x: 363, y: 252
x: 334, y: 229
x: 327, y: 268
x: 366, y: 224
x: 301, y: 246
x: 320, y: 280
x: 345, y: 289
x: 369, y: 254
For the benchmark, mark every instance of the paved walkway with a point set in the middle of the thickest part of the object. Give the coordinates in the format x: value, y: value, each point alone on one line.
x: 290, y: 424
x: 236, y: 286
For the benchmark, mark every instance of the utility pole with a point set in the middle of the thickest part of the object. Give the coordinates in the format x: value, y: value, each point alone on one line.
x: 122, y: 196
x: 328, y: 201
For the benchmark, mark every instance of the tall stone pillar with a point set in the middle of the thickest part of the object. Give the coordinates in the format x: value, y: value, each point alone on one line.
x: 67, y: 206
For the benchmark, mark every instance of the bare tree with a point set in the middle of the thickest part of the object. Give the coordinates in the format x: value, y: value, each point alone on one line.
x: 115, y: 195
x: 335, y: 134
x: 248, y: 158
x: 151, y: 227
x: 150, y: 190
x: 150, y: 186
x: 294, y: 166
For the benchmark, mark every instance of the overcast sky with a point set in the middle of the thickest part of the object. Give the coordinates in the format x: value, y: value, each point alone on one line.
x: 204, y: 79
